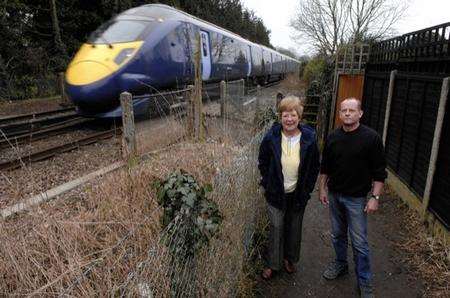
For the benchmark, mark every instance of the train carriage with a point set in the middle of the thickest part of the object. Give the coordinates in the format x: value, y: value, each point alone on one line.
x: 151, y: 48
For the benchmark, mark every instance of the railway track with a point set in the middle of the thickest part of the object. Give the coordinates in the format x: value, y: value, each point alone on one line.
x: 50, y: 130
x: 19, y: 125
x: 253, y: 90
x: 31, y: 116
x: 50, y: 152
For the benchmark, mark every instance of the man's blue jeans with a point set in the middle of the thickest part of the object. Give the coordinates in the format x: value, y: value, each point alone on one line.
x: 347, y: 214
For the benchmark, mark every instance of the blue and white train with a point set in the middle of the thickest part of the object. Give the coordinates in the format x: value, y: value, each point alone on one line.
x: 151, y: 47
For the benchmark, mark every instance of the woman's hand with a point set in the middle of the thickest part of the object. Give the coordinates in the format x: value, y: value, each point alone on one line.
x: 323, y: 197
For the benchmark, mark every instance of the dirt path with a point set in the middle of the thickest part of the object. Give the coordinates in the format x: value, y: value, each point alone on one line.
x: 391, y: 278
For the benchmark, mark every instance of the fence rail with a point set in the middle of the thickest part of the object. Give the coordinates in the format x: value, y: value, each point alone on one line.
x: 428, y: 44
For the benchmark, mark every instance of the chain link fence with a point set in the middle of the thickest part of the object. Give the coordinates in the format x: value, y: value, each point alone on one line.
x: 107, y: 239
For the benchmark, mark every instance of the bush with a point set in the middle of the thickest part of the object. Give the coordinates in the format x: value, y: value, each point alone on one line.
x: 184, y: 200
x: 314, y: 70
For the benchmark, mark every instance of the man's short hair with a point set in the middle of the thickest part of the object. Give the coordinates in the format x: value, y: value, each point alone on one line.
x: 280, y: 96
x: 356, y: 99
x: 290, y: 103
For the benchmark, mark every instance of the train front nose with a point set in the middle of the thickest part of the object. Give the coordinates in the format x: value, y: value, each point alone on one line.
x: 92, y: 80
x: 90, y: 86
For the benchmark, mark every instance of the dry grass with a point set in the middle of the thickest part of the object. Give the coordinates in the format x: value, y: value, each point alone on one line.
x: 293, y: 82
x: 109, y: 242
x: 428, y: 257
x: 106, y: 241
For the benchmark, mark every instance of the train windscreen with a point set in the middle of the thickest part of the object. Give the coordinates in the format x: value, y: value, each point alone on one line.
x: 117, y: 31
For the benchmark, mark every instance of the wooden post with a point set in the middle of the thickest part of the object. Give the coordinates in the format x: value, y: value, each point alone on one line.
x: 435, y: 147
x: 258, y: 98
x: 129, y: 151
x: 388, y: 105
x: 223, y: 95
x: 360, y: 56
x: 322, y: 118
x: 62, y: 89
x: 197, y: 95
x: 257, y: 119
x: 334, y: 100
x: 242, y: 88
x: 190, y: 111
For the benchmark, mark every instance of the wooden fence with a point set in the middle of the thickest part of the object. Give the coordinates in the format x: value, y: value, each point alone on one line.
x: 409, y: 107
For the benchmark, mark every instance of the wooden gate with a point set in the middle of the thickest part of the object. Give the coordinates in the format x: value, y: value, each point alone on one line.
x: 349, y: 85
x: 348, y: 82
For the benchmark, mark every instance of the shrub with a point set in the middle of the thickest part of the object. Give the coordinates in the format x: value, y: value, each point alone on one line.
x: 314, y: 69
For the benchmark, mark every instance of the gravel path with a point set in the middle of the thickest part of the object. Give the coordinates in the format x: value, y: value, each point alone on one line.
x: 392, y: 278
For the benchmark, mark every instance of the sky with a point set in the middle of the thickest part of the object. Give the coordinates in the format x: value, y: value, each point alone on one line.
x: 276, y: 15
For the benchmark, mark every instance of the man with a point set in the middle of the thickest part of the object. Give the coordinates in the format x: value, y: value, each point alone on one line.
x: 353, y: 163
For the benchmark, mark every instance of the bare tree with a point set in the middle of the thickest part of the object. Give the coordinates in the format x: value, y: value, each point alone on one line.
x: 327, y: 23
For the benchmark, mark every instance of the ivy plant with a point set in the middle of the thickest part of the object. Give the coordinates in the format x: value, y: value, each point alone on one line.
x: 189, y: 217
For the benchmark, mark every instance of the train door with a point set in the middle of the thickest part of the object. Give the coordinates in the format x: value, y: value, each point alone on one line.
x: 249, y: 61
x: 206, y: 55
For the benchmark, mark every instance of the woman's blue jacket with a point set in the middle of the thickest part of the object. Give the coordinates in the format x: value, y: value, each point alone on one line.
x: 269, y: 164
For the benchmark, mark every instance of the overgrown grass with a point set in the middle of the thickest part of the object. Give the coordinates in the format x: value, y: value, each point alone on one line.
x: 106, y: 239
x: 428, y: 257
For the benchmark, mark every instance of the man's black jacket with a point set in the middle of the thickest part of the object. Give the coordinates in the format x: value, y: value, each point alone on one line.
x: 269, y: 164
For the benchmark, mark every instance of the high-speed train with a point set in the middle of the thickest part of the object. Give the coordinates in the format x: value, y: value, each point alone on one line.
x: 152, y: 47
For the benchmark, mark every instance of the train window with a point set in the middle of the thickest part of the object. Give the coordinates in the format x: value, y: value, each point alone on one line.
x: 222, y: 49
x: 120, y: 31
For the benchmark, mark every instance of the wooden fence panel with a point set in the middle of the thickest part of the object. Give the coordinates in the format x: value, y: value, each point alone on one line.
x: 374, y: 100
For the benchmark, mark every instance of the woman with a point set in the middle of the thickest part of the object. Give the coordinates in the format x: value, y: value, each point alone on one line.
x: 289, y: 164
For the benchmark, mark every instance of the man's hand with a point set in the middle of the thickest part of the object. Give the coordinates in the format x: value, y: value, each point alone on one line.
x: 371, y: 206
x: 323, y: 193
x: 323, y: 197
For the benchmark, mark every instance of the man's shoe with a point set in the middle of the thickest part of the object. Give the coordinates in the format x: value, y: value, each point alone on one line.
x: 366, y: 291
x: 267, y: 273
x: 334, y: 270
x: 289, y: 267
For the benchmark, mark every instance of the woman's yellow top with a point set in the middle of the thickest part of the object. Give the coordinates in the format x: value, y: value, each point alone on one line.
x: 290, y: 160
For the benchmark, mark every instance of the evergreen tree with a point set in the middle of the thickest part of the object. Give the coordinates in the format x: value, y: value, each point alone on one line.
x: 39, y: 37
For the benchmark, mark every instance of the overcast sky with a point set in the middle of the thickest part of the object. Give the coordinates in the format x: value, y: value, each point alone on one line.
x: 277, y: 14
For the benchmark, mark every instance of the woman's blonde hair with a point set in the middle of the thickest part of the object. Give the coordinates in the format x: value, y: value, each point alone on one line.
x: 290, y: 103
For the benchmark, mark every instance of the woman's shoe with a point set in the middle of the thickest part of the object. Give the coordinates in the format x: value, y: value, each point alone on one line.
x: 290, y: 268
x: 267, y: 273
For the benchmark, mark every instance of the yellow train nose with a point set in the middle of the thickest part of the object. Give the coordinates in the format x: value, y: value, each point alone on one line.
x: 87, y: 72
x: 95, y: 62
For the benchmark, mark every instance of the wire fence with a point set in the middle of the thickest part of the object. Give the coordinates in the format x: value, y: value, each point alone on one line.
x: 164, y: 120
x: 107, y: 240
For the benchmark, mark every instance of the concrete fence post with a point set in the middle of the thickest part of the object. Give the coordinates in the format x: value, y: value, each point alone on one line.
x: 388, y: 105
x: 435, y: 148
x: 129, y: 148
